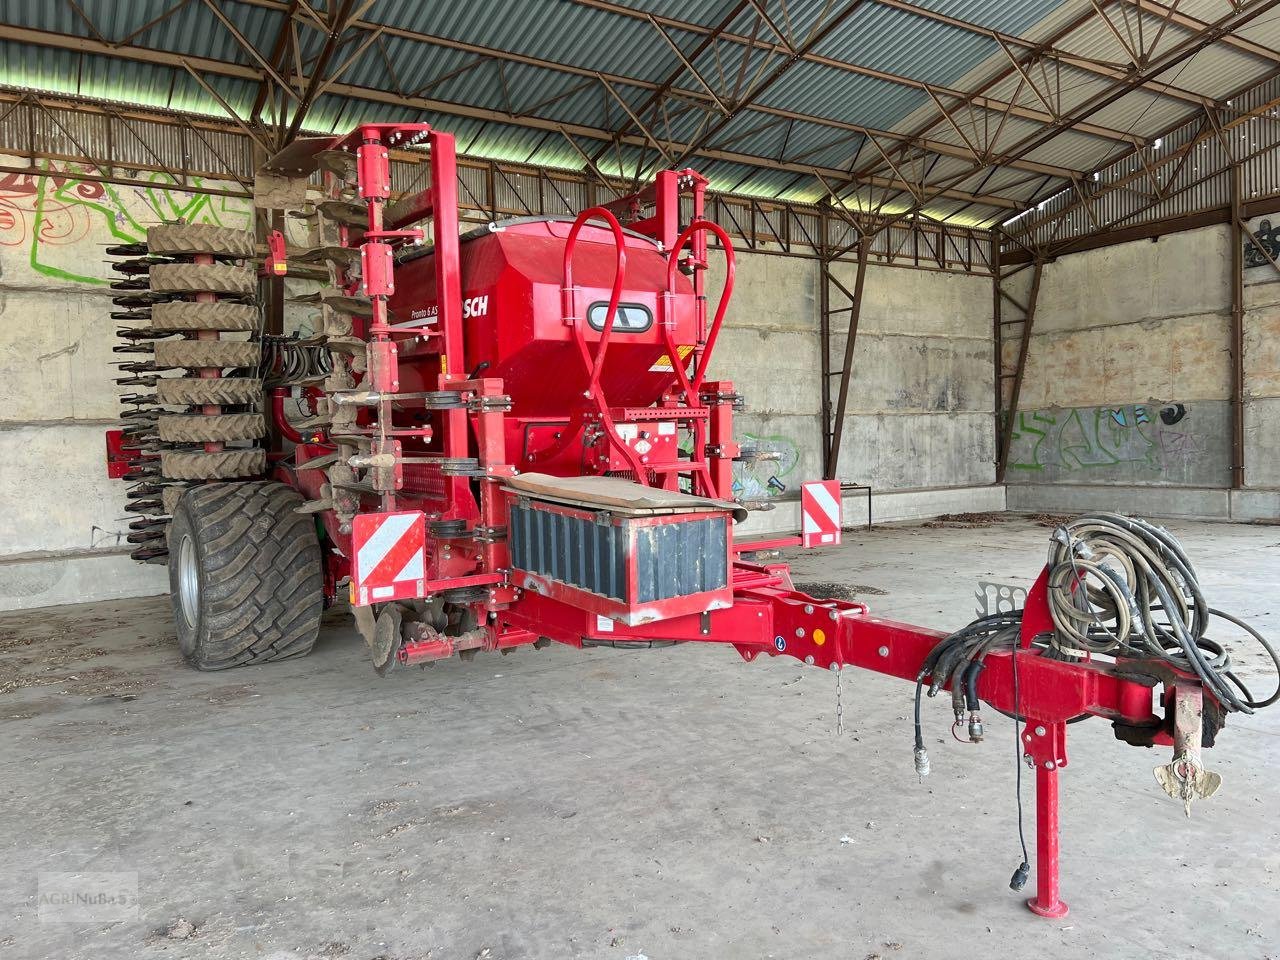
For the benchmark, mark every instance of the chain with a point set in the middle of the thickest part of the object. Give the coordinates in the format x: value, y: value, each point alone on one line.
x: 839, y: 699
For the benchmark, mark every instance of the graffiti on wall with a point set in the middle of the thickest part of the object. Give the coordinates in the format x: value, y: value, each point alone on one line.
x: 763, y: 476
x: 1143, y: 440
x: 54, y: 214
x: 1258, y: 268
x: 759, y: 479
x: 1267, y: 235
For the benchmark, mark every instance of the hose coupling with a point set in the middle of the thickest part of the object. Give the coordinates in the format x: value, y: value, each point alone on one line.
x: 1019, y: 878
x: 922, y: 761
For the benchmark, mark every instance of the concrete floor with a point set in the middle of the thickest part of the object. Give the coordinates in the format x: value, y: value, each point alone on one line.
x: 670, y: 804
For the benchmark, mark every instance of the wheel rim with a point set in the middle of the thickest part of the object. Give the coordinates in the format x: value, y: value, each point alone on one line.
x: 188, y: 579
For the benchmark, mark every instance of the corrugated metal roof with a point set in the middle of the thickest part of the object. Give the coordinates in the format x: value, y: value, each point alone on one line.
x: 531, y: 65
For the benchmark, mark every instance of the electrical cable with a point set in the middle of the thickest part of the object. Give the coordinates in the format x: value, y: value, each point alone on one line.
x: 1019, y: 878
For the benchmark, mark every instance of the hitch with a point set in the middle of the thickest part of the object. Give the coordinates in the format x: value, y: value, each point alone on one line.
x: 1185, y: 778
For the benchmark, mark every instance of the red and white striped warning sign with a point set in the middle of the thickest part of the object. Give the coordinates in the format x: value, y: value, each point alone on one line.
x: 820, y: 513
x: 390, y: 557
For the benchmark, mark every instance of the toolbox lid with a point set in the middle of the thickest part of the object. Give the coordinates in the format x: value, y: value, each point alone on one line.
x: 618, y: 495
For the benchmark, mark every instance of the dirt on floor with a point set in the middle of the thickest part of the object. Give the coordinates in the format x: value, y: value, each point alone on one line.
x: 965, y: 520
x: 839, y: 591
x: 60, y: 650
x: 971, y: 521
x: 1052, y: 520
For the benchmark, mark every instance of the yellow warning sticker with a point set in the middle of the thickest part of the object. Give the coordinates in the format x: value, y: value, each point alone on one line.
x: 663, y: 364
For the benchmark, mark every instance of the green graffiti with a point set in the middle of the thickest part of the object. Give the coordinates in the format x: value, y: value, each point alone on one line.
x: 1027, y: 427
x: 1142, y: 437
x: 758, y: 478
x: 58, y: 201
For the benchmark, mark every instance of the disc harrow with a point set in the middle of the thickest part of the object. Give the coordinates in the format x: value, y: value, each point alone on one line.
x: 326, y: 366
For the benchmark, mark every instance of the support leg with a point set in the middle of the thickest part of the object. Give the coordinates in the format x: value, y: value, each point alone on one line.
x: 1047, y: 902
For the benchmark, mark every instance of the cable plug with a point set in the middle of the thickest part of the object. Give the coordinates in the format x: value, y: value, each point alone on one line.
x: 1019, y: 878
x: 922, y: 761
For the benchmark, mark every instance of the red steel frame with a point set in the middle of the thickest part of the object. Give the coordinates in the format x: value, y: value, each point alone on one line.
x: 766, y: 614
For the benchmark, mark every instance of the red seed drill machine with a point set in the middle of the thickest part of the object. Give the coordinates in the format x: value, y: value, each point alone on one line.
x: 511, y: 439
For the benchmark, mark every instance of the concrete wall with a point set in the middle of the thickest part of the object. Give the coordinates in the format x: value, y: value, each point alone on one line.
x: 920, y: 405
x: 769, y: 349
x: 1125, y: 400
x: 920, y: 401
x: 63, y: 525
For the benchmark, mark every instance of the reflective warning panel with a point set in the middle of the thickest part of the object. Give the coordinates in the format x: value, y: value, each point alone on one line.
x: 390, y: 557
x: 820, y: 513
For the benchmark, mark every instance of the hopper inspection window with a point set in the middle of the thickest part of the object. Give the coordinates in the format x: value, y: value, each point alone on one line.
x: 631, y: 318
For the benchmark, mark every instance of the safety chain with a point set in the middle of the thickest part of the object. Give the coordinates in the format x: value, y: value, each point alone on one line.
x: 839, y: 669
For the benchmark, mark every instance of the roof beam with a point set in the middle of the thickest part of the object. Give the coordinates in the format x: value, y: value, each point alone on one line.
x: 342, y: 19
x: 686, y: 65
x: 1181, y: 52
x: 198, y: 126
x: 1212, y: 33
x: 1047, y: 50
x: 246, y: 72
x: 982, y: 102
x: 1180, y: 19
x: 701, y: 97
x: 1017, y: 67
x: 819, y: 33
x: 248, y: 47
x: 279, y: 57
x: 1210, y: 129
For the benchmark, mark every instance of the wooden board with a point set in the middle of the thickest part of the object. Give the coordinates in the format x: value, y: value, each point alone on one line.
x: 617, y: 495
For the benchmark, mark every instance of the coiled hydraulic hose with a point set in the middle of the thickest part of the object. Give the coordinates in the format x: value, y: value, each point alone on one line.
x: 1117, y: 586
x: 1124, y: 587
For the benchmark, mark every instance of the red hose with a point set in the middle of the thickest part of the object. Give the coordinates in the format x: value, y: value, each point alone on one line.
x: 694, y: 384
x: 286, y: 429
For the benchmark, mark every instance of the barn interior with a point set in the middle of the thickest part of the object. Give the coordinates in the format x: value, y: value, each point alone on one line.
x: 997, y: 266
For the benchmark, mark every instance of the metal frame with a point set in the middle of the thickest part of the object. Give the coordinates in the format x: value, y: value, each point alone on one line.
x: 833, y: 419
x: 889, y: 170
x: 1006, y: 402
x: 1184, y: 183
x: 124, y: 144
x: 1236, y: 337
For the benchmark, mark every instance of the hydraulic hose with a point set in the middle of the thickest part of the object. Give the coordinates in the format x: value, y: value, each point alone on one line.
x: 1124, y: 587
x: 1117, y: 586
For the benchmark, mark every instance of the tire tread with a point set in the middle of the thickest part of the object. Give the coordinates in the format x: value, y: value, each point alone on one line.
x: 263, y: 593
